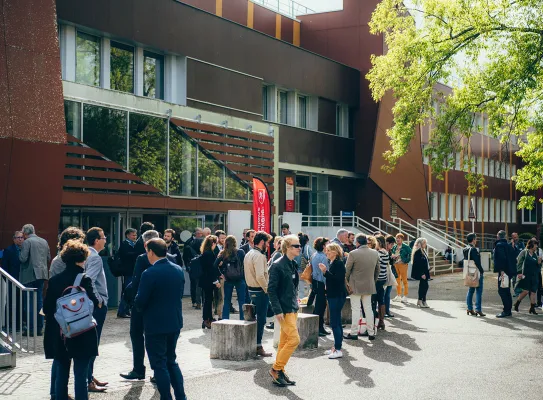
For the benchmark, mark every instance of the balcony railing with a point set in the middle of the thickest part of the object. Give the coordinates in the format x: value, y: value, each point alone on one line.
x: 286, y: 7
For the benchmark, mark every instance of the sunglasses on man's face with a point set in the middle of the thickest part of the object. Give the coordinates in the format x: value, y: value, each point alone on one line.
x: 296, y: 246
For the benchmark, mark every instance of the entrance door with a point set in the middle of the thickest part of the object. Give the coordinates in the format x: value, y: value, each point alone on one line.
x: 184, y: 226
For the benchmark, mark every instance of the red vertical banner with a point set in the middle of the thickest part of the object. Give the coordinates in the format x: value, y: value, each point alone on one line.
x: 289, y: 194
x: 261, y: 206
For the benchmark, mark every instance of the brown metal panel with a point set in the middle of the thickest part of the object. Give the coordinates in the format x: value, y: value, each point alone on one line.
x: 206, y: 5
x: 249, y: 177
x: 287, y: 29
x: 89, y: 151
x: 235, y: 10
x: 250, y: 169
x: 90, y: 173
x: 108, y: 185
x: 264, y: 20
x: 230, y: 141
x: 225, y: 131
x: 300, y: 146
x: 327, y: 116
x: 235, y: 150
x: 90, y: 162
x: 244, y: 160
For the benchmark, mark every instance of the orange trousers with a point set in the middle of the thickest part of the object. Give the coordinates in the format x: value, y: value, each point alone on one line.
x: 401, y: 269
x: 288, y: 341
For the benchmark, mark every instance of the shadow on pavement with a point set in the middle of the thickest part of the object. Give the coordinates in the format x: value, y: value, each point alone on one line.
x: 382, y: 352
x: 263, y: 379
x: 203, y: 340
x: 437, y: 313
x: 399, y: 324
x: 401, y: 339
x: 135, y: 391
x: 358, y: 375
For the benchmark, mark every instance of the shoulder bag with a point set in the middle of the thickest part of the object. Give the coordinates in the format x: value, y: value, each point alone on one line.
x: 307, y: 274
x: 471, y: 272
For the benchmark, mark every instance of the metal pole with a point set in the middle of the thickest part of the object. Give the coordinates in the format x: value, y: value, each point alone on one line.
x: 35, y: 317
x: 13, y: 311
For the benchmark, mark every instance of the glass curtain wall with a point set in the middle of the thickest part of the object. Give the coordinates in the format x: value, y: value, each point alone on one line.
x: 122, y: 67
x: 87, y: 70
x: 153, y: 75
x: 139, y: 143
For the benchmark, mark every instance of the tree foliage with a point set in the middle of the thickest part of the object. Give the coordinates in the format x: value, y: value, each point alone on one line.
x: 490, y: 52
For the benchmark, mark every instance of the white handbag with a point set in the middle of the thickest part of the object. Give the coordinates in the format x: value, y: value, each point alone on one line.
x: 471, y: 272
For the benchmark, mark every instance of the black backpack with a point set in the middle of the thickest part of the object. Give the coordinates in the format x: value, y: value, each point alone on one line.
x: 115, y: 266
x: 233, y: 270
x: 196, y: 267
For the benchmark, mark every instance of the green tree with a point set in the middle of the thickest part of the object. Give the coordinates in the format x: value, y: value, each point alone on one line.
x: 490, y: 52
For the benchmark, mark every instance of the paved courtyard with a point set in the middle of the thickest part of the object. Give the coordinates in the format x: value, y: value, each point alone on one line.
x: 439, y: 353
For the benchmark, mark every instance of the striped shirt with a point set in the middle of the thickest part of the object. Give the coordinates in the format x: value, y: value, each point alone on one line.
x: 384, y: 259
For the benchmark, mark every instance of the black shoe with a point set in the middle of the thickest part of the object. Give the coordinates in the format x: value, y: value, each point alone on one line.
x: 323, y: 332
x: 389, y: 315
x: 233, y: 311
x: 277, y: 378
x: 133, y: 375
x: 286, y: 378
x: 365, y: 334
x: 371, y: 337
x: 503, y: 315
x: 271, y: 325
x: 153, y: 380
x: 123, y: 316
x: 350, y: 337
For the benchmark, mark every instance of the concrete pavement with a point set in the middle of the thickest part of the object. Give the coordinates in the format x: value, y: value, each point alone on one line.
x: 438, y: 353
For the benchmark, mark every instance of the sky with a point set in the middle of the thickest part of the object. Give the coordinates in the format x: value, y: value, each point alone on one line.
x: 322, y: 5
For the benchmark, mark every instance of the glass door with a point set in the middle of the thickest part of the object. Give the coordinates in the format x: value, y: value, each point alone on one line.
x: 184, y: 226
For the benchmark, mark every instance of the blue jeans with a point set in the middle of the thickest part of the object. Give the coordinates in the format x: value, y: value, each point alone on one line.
x: 123, y: 307
x: 478, y: 296
x: 336, y: 305
x: 99, y: 315
x: 81, y: 366
x: 241, y: 288
x: 260, y: 300
x: 54, y: 369
x: 387, y: 299
x: 161, y: 353
x: 38, y: 285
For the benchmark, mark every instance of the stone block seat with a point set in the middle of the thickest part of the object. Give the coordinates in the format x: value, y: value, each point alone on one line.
x: 346, y: 315
x: 233, y: 340
x: 308, y: 329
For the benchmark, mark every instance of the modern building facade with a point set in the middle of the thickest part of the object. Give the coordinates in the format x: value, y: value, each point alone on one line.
x: 118, y: 112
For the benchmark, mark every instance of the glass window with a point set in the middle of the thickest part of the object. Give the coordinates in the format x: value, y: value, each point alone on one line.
x: 122, y: 67
x: 442, y: 199
x: 104, y: 129
x: 148, y: 149
x: 210, y: 177
x: 182, y: 165
x: 302, y: 112
x: 479, y: 212
x: 486, y: 208
x: 72, y: 113
x: 490, y: 167
x: 458, y: 207
x: 235, y: 190
x: 153, y: 75
x: 492, y: 214
x: 87, y: 59
x: 282, y: 107
x: 466, y: 208
x: 480, y: 165
x: 514, y: 212
x: 504, y: 211
x: 265, y: 102
x: 433, y: 205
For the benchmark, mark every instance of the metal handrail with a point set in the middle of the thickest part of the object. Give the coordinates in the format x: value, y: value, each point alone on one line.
x: 445, y: 234
x: 12, y: 293
x: 387, y: 223
x: 484, y: 238
x: 288, y: 7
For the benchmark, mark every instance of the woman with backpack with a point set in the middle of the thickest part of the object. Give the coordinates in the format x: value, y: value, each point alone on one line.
x: 210, y: 278
x: 78, y: 348
x: 230, y: 264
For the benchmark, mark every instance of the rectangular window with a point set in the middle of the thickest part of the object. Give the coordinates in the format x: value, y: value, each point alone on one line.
x: 122, y: 67
x: 479, y: 211
x: 504, y: 211
x: 153, y: 75
x: 458, y: 157
x: 282, y: 107
x: 302, y: 112
x: 490, y: 167
x: 466, y: 208
x: 480, y: 165
x: 450, y: 216
x: 434, y: 205
x: 182, y: 165
x: 87, y: 69
x: 486, y: 203
x: 442, y: 205
x: 514, y: 212
x: 458, y: 207
x: 72, y: 113
x: 492, y: 214
x: 530, y: 216
x: 265, y: 103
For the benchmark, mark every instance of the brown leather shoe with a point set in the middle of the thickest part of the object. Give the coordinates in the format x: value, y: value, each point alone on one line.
x: 261, y: 352
x: 98, y: 383
x: 94, y: 389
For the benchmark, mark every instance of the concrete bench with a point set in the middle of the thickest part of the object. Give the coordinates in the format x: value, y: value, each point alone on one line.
x: 233, y: 340
x: 346, y: 315
x: 308, y: 329
x: 305, y: 309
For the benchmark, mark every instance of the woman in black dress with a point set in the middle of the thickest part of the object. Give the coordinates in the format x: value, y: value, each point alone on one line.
x: 81, y: 348
x: 421, y: 270
x: 528, y: 269
x: 209, y: 279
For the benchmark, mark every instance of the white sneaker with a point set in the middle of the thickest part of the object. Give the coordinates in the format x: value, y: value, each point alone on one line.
x: 424, y: 305
x: 404, y: 299
x: 328, y: 352
x: 419, y: 303
x: 335, y: 354
x: 397, y: 299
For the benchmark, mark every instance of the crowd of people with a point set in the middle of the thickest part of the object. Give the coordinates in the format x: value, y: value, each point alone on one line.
x: 275, y: 273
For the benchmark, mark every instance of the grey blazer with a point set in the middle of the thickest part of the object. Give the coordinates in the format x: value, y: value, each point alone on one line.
x: 34, y: 257
x: 362, y: 270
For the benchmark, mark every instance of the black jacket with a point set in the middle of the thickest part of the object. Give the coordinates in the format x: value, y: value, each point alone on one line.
x: 139, y: 247
x: 335, y: 280
x: 10, y: 262
x: 420, y: 265
x: 210, y: 273
x: 82, y: 346
x: 219, y: 261
x: 504, y: 258
x: 127, y: 254
x: 173, y: 249
x: 475, y: 256
x: 246, y: 247
x: 283, y: 286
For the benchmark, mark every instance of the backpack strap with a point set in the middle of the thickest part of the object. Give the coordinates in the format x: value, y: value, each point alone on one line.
x: 77, y: 282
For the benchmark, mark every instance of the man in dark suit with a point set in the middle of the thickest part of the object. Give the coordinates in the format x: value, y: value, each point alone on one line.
x: 127, y: 256
x: 504, y: 264
x: 159, y: 299
x: 146, y: 226
x: 191, y: 249
x: 136, y: 319
x: 250, y: 239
